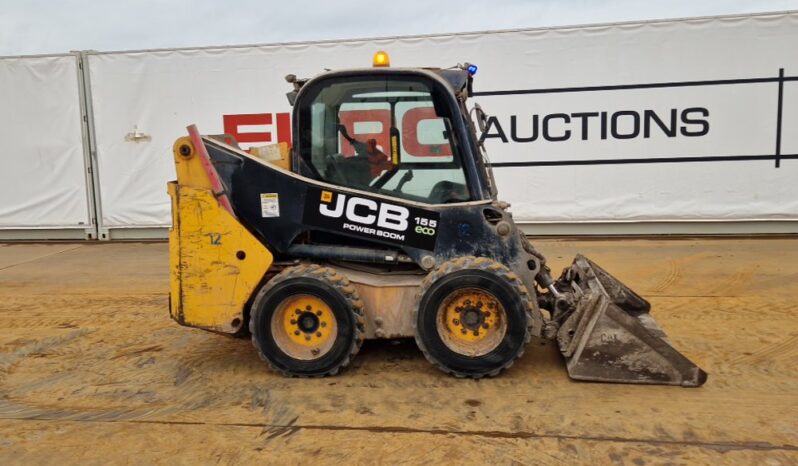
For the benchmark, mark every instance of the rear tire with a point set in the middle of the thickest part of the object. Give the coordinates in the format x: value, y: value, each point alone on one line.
x: 307, y: 321
x: 473, y: 317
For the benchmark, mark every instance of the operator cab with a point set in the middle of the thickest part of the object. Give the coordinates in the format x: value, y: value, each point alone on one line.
x: 397, y: 132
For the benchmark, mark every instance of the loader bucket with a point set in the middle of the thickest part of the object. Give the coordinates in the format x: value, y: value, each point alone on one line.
x: 611, y: 337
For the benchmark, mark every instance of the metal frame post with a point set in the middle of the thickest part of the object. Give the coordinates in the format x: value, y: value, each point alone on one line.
x: 99, y: 231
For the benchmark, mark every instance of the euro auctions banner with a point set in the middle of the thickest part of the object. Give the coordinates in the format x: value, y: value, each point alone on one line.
x: 659, y: 121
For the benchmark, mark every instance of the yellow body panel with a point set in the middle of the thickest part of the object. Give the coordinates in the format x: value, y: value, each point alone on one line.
x: 216, y: 264
x: 188, y: 167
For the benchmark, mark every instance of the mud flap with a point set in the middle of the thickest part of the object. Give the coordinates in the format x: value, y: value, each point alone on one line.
x: 611, y: 337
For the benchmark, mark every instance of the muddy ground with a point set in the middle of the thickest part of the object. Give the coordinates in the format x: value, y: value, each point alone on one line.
x: 93, y: 371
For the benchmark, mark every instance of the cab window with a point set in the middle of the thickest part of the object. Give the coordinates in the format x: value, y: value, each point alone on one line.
x: 384, y: 135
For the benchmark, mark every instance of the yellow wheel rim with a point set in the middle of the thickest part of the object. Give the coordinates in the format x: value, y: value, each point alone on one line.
x: 471, y: 322
x: 304, y: 327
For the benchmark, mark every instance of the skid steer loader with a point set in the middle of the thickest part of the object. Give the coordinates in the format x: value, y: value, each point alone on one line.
x: 387, y: 230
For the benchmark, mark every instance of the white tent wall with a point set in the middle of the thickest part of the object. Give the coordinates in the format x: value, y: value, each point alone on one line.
x: 723, y: 70
x: 581, y: 136
x: 43, y: 184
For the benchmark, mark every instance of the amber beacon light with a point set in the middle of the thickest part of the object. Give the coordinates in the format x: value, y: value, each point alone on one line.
x: 381, y: 59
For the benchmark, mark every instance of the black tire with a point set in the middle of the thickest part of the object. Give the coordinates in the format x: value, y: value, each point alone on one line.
x: 334, y: 290
x: 497, y: 281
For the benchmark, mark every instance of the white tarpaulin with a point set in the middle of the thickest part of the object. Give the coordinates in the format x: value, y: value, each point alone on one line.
x: 658, y: 121
x: 42, y: 182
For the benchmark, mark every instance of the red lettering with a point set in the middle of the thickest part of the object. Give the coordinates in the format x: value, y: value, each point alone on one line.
x: 233, y: 122
x: 350, y: 117
x: 281, y: 123
x: 284, y: 128
x: 410, y: 121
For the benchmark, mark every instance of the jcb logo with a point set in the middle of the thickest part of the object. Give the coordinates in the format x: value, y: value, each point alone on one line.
x: 364, y: 211
x: 374, y: 219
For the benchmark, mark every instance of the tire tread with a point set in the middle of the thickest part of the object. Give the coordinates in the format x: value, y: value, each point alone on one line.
x: 488, y: 265
x: 332, y: 278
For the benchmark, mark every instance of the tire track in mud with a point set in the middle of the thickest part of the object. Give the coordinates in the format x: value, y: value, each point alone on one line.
x: 734, y: 285
x: 43, y: 256
x: 673, y: 274
x: 9, y: 409
x: 13, y: 410
x: 781, y: 350
x: 273, y: 403
x: 7, y: 360
x: 272, y: 431
x: 97, y: 302
x: 202, y: 392
x: 736, y: 312
x: 721, y: 285
x: 193, y: 397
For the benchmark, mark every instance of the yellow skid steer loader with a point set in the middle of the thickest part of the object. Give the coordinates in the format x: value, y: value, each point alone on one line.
x: 388, y: 230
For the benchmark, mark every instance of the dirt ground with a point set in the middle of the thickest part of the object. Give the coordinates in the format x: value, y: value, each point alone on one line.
x: 93, y: 371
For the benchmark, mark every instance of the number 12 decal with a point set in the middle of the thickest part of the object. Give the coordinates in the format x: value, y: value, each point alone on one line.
x: 216, y: 239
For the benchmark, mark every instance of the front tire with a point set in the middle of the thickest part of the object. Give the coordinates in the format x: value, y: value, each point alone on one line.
x: 473, y: 317
x: 307, y: 321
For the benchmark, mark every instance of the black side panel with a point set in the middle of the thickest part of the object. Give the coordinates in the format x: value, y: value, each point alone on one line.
x: 440, y: 231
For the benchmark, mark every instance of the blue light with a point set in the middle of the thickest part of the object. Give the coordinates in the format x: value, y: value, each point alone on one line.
x: 472, y: 69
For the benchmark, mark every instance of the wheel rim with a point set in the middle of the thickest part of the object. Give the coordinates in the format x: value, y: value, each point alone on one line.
x: 304, y: 327
x: 471, y: 321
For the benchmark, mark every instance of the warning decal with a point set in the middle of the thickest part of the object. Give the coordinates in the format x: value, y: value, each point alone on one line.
x: 269, y: 205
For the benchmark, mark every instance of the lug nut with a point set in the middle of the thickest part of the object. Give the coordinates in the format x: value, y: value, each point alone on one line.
x: 296, y: 332
x: 308, y: 307
x: 297, y: 312
x: 476, y: 333
x: 485, y: 325
x: 293, y: 321
x: 456, y: 322
x: 479, y: 304
x: 307, y: 337
x: 318, y: 334
x: 318, y: 313
x: 464, y: 331
x: 324, y: 324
